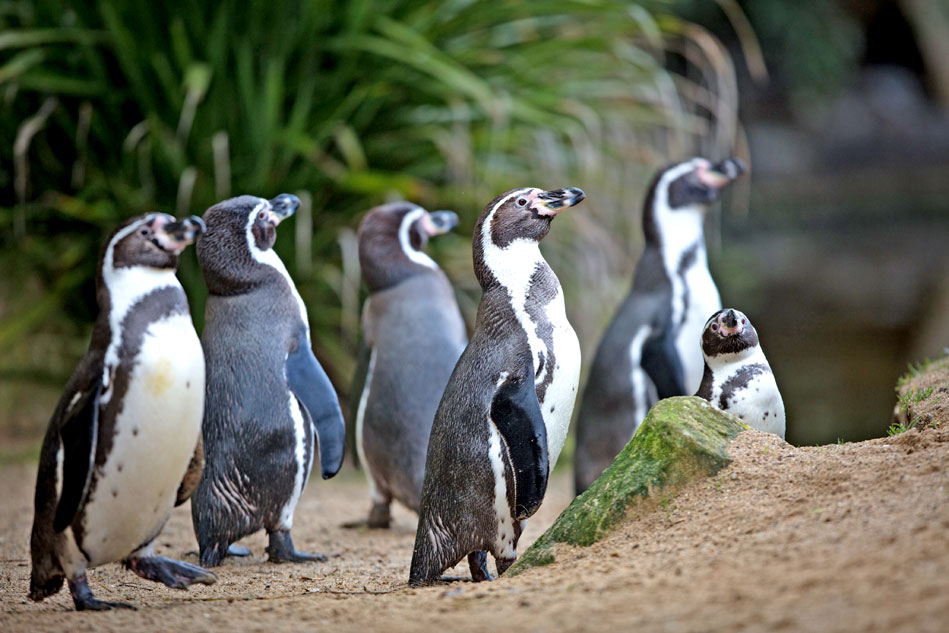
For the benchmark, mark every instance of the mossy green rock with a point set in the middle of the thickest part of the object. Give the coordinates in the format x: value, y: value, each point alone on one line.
x: 680, y: 439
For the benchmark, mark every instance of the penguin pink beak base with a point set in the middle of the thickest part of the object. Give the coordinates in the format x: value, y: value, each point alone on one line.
x: 550, y: 203
x: 720, y: 175
x: 174, y: 237
x: 728, y: 324
x: 439, y: 222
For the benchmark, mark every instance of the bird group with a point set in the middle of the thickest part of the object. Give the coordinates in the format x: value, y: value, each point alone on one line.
x: 463, y: 432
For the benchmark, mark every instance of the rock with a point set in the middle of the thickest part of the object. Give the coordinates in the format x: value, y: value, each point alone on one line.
x: 680, y: 439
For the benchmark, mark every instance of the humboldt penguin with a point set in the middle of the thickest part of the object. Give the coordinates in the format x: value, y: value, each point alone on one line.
x: 413, y: 333
x: 268, y: 399
x: 737, y: 377
x: 649, y: 350
x: 503, y: 419
x: 128, y: 424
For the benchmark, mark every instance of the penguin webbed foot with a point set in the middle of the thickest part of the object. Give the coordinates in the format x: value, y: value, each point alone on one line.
x: 281, y: 550
x: 171, y: 573
x: 478, y: 564
x: 84, y: 600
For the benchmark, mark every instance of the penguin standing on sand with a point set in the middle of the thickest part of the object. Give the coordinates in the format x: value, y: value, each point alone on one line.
x: 737, y: 378
x: 649, y: 350
x: 268, y: 399
x: 414, y: 333
x: 502, y: 422
x: 127, y: 426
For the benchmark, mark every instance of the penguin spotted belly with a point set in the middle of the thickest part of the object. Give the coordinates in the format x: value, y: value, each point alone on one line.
x: 133, y: 492
x: 558, y: 401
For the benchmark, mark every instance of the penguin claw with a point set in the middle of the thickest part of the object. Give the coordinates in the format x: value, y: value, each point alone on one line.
x: 171, y: 573
x: 237, y: 550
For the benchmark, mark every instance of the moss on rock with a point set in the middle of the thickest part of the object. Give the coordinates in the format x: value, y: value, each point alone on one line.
x: 680, y: 439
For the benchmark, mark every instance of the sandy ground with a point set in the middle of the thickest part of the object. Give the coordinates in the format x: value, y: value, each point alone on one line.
x: 833, y: 538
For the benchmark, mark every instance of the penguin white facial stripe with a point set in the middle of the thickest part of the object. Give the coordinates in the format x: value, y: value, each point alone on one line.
x: 270, y: 258
x: 415, y: 255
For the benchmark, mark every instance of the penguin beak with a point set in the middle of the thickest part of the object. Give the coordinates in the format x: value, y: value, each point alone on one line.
x: 550, y: 203
x: 282, y: 207
x: 175, y: 236
x: 728, y: 324
x: 439, y: 222
x: 722, y: 174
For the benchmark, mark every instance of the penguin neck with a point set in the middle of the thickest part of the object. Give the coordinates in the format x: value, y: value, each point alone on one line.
x: 681, y: 240
x: 393, y: 260
x: 268, y: 259
x: 748, y: 356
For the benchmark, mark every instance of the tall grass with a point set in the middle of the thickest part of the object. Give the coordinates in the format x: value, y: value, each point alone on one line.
x: 118, y: 107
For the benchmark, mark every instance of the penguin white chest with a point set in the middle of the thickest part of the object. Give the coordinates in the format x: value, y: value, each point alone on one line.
x: 561, y: 394
x: 700, y: 300
x: 748, y: 391
x: 155, y: 434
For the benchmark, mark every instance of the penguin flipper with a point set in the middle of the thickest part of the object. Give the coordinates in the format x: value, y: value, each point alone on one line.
x: 516, y: 415
x: 312, y: 387
x: 661, y: 361
x: 79, y: 434
x: 193, y: 475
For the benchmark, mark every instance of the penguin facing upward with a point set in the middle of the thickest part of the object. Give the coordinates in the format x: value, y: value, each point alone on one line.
x: 503, y: 419
x: 414, y: 333
x: 649, y: 350
x: 127, y: 426
x: 737, y: 377
x: 268, y: 399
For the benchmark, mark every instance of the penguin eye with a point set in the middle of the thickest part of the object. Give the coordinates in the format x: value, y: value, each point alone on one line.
x: 522, y: 202
x: 715, y: 327
x: 144, y: 231
x: 261, y: 215
x: 742, y: 321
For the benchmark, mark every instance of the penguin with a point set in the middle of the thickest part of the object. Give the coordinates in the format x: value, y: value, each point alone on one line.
x: 648, y: 350
x: 503, y: 419
x: 267, y: 398
x: 414, y: 333
x: 737, y: 377
x: 124, y: 433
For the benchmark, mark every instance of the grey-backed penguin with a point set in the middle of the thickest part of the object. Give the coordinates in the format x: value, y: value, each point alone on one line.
x: 414, y: 333
x: 649, y: 347
x: 737, y: 377
x: 126, y: 428
x: 268, y: 399
x: 503, y: 419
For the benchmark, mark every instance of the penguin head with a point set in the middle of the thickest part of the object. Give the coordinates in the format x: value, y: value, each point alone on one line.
x: 728, y: 332
x: 688, y: 187
x: 517, y: 216
x: 239, y: 237
x: 154, y: 240
x: 392, y: 238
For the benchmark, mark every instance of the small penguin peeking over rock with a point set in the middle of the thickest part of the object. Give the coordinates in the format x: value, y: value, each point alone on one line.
x: 503, y: 419
x: 648, y: 351
x: 123, y: 437
x: 268, y: 399
x: 413, y: 334
x: 737, y: 377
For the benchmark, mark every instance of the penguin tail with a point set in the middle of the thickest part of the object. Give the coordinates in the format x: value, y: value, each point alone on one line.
x: 46, y: 575
x: 429, y: 558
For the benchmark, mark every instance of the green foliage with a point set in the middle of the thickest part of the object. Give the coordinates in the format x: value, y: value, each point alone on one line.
x: 908, y: 399
x: 118, y: 107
